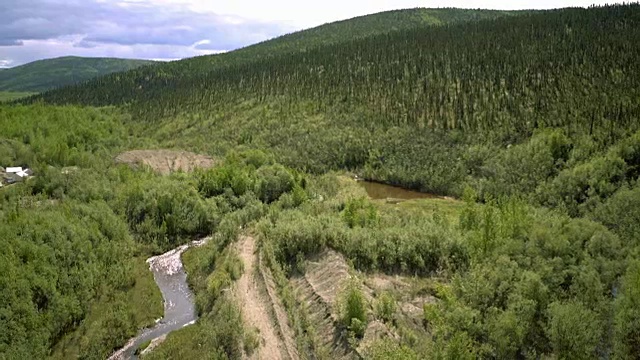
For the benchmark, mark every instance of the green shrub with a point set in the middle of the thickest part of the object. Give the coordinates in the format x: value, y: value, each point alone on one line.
x: 251, y: 340
x: 360, y: 212
x: 353, y: 308
x: 273, y: 181
x: 582, y: 188
x: 386, y: 307
x: 574, y: 331
x: 626, y: 342
x: 621, y: 213
x: 214, y: 181
x: 519, y: 169
x: 387, y: 349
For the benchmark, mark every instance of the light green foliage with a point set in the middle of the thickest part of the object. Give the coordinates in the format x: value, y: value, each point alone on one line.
x: 251, y: 340
x: 621, y: 213
x: 7, y: 96
x: 228, y: 268
x: 386, y: 307
x: 360, y: 212
x: 580, y: 189
x: 419, y: 247
x: 387, y: 349
x: 518, y: 169
x: 274, y: 181
x: 507, y: 333
x: 626, y: 343
x: 469, y: 217
x: 353, y: 308
x: 165, y: 212
x: 215, y: 181
x: 494, y: 225
x: 574, y: 330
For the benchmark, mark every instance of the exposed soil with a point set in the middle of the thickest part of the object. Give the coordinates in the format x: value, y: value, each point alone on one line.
x: 318, y: 291
x: 282, y: 321
x: 166, y: 161
x: 382, y: 282
x: 255, y: 308
x: 410, y: 306
x: 376, y: 330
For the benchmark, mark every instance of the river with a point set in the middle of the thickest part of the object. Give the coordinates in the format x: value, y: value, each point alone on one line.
x: 179, y: 307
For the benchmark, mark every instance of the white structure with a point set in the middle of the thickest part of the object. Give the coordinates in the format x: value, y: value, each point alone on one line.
x: 13, y: 170
x: 22, y: 174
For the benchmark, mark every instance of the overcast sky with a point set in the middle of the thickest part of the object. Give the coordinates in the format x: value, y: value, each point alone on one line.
x: 173, y: 29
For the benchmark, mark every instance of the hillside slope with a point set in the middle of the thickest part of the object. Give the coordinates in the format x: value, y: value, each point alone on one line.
x: 51, y: 73
x: 380, y: 103
x: 171, y: 74
x: 513, y: 73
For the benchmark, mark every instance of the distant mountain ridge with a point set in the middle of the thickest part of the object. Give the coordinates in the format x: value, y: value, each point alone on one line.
x: 48, y: 74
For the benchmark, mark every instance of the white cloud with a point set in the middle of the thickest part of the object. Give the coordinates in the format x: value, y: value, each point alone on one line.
x: 304, y: 14
x: 36, y: 29
x: 5, y: 63
x: 171, y: 29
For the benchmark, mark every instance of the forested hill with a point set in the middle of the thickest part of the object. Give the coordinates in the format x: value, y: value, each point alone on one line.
x: 51, y: 73
x: 570, y: 67
x: 167, y: 74
x: 382, y: 102
x: 375, y: 24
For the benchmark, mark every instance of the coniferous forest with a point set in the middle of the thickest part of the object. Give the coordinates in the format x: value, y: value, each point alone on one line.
x: 524, y: 125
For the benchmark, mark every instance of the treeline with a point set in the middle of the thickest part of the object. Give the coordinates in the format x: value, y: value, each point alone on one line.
x: 570, y: 68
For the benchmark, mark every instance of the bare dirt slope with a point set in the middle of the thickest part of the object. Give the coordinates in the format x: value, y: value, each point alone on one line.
x: 410, y: 304
x: 166, y: 161
x: 282, y: 321
x: 255, y: 307
x: 318, y: 291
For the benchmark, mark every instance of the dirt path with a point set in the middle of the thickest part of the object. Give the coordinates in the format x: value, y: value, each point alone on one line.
x: 255, y: 308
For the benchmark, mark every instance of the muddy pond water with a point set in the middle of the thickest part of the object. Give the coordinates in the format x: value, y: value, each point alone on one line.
x: 381, y: 191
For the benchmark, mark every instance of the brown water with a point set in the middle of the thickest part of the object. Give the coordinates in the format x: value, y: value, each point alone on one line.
x: 382, y: 191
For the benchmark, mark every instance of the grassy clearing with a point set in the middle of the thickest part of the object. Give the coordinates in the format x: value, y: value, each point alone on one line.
x: 447, y: 208
x: 10, y: 95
